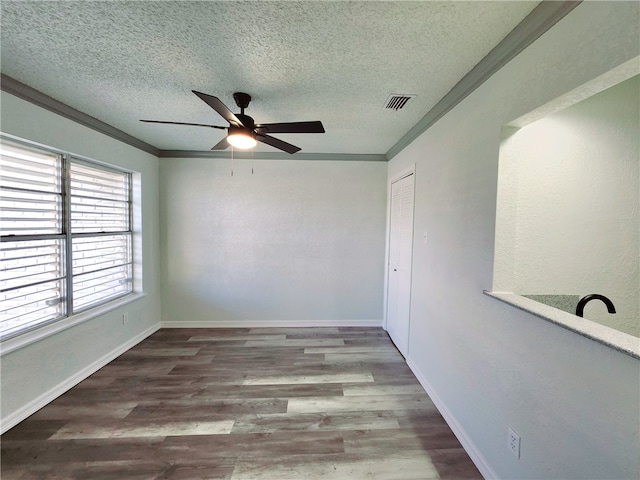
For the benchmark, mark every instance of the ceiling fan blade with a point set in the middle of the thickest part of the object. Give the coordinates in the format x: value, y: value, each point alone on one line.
x: 221, y: 145
x: 291, y: 127
x: 184, y: 123
x: 221, y: 108
x: 277, y: 143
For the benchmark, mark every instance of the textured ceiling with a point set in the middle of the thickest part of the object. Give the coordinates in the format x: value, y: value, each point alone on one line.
x: 120, y: 61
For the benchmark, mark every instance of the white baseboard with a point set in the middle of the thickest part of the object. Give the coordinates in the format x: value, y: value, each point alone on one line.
x: 272, y: 323
x: 32, y: 407
x: 470, y: 447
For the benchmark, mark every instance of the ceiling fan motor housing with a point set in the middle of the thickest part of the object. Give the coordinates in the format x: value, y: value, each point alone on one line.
x: 246, y: 120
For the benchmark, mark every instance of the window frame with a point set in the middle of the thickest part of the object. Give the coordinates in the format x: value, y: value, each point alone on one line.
x: 71, y: 316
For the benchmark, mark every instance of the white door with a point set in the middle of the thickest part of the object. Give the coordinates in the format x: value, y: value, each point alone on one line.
x: 400, y: 251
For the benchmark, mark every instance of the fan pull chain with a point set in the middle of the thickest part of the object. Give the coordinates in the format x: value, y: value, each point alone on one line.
x: 252, y: 151
x: 232, y: 161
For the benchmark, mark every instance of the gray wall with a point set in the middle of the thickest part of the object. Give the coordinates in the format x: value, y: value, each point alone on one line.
x: 574, y: 183
x: 43, y: 369
x: 298, y: 242
x: 490, y: 366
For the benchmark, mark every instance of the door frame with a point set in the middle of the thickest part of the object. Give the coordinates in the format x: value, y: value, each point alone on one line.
x: 411, y: 170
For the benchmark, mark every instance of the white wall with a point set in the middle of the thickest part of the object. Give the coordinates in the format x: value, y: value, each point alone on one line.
x: 298, y: 242
x: 573, y: 401
x: 42, y: 370
x: 576, y: 188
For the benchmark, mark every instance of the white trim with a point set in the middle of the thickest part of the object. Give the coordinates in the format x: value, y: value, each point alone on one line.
x: 33, y: 406
x: 12, y: 344
x: 271, y: 323
x: 460, y: 433
x: 407, y: 172
x: 411, y: 170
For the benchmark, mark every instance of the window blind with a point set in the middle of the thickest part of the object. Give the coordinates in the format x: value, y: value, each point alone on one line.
x: 66, y: 236
x: 32, y: 282
x: 102, y: 264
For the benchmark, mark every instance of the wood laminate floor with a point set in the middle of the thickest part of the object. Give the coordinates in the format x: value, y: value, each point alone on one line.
x: 239, y: 404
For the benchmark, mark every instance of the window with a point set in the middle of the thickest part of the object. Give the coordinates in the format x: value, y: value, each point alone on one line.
x: 66, y: 236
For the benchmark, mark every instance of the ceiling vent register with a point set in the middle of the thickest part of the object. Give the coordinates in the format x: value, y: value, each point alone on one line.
x: 397, y: 102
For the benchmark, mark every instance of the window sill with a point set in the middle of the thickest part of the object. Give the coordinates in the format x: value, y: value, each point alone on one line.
x: 27, y: 338
x: 623, y: 342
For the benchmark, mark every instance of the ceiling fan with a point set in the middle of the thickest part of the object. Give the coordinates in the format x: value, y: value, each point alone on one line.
x: 243, y: 132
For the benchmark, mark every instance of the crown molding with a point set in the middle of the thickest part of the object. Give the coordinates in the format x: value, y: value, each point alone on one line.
x: 351, y: 157
x: 25, y: 92
x: 31, y: 95
x: 541, y: 19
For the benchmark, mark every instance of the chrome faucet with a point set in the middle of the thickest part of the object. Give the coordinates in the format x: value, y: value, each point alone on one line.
x: 594, y: 296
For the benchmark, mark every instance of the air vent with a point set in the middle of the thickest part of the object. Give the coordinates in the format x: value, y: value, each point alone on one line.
x: 397, y: 101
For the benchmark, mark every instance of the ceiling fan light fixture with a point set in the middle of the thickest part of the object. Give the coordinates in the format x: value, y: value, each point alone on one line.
x: 242, y: 132
x: 241, y: 139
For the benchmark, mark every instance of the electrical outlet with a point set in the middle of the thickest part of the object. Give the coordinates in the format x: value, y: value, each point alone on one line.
x: 514, y: 442
x: 125, y: 318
